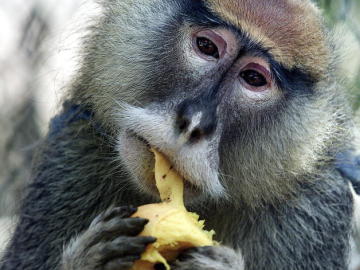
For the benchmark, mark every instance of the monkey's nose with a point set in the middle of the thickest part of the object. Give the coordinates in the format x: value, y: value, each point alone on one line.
x: 195, y: 125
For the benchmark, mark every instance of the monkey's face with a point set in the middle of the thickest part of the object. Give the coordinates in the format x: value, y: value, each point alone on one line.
x: 230, y: 99
x: 192, y: 116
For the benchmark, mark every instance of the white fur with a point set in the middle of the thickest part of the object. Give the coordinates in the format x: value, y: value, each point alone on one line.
x: 196, y: 162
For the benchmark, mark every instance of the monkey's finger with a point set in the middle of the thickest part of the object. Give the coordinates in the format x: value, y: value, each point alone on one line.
x: 120, y: 248
x: 120, y: 227
x: 125, y: 226
x: 124, y: 211
x: 132, y: 245
x: 108, y: 231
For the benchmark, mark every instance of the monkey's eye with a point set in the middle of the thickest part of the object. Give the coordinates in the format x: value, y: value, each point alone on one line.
x: 255, y: 77
x: 207, y: 47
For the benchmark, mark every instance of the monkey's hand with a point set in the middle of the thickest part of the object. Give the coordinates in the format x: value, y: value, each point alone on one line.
x: 209, y: 258
x: 110, y: 243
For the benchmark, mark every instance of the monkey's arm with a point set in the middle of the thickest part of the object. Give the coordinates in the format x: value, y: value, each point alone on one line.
x: 72, y: 183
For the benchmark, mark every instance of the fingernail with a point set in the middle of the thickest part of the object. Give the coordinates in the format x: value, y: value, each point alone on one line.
x: 151, y: 239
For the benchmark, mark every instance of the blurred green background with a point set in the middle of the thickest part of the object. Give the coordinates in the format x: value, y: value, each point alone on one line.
x: 345, y: 16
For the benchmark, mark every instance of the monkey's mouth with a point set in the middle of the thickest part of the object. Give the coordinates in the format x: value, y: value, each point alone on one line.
x: 188, y: 185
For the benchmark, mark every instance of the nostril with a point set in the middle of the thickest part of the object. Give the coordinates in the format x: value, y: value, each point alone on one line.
x: 196, y: 134
x: 183, y: 123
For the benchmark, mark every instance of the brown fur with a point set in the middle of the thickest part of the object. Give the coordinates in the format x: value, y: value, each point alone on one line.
x: 290, y: 30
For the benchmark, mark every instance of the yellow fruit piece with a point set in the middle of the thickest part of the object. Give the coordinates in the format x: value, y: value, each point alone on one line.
x: 174, y: 228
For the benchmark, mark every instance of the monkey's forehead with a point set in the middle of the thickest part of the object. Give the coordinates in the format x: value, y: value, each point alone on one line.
x: 291, y: 30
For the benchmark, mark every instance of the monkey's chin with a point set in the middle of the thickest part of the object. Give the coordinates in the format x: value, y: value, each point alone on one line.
x: 139, y: 162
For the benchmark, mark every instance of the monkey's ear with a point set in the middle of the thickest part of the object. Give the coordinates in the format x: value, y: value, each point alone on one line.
x: 348, y: 164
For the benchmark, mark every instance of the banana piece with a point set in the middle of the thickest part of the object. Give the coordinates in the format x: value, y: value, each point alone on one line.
x: 173, y: 226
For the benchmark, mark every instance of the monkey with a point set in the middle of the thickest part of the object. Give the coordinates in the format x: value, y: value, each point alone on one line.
x: 245, y: 100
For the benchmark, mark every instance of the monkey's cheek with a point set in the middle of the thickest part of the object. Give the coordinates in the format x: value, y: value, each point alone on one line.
x: 138, y: 161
